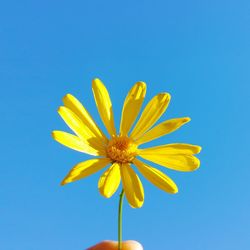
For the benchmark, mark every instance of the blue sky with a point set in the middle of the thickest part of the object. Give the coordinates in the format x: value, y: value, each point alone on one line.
x: 196, y: 50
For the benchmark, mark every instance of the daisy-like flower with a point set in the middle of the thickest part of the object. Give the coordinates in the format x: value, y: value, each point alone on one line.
x: 120, y: 150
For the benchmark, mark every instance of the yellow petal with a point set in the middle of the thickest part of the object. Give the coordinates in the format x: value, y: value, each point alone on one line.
x: 74, y: 122
x: 183, y: 163
x: 132, y: 186
x: 156, y: 177
x: 74, y: 142
x: 171, y: 149
x: 132, y: 106
x: 104, y: 105
x: 74, y: 105
x: 84, y: 169
x: 163, y: 128
x: 110, y: 180
x: 152, y: 112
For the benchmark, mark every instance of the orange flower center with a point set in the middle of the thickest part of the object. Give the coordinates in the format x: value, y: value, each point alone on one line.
x: 121, y: 149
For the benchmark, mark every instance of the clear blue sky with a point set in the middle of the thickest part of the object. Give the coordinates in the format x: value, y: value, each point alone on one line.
x: 199, y: 51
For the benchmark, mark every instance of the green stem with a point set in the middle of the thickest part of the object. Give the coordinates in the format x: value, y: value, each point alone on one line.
x: 120, y: 220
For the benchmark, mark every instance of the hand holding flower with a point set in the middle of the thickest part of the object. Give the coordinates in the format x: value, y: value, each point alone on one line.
x: 117, y: 154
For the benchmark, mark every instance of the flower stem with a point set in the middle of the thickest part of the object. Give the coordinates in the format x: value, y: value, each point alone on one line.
x: 120, y: 220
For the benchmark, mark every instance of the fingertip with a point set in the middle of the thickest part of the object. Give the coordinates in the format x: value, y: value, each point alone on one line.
x: 113, y: 245
x: 132, y: 245
x: 104, y: 245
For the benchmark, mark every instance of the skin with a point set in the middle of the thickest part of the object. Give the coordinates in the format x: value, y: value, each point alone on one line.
x: 113, y: 245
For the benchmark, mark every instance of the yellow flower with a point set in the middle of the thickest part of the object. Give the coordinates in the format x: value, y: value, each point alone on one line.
x: 122, y: 149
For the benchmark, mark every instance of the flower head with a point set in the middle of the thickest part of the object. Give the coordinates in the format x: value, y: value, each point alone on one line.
x: 120, y: 150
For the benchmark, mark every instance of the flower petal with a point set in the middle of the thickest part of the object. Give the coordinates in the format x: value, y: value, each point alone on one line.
x: 104, y: 105
x: 74, y: 105
x: 74, y: 122
x: 132, y: 106
x: 162, y: 129
x: 185, y: 163
x: 84, y: 169
x: 132, y: 186
x: 156, y: 177
x: 172, y: 149
x: 152, y: 112
x: 74, y: 142
x: 110, y: 181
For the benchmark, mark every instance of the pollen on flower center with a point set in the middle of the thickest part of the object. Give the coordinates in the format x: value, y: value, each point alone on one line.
x: 121, y: 149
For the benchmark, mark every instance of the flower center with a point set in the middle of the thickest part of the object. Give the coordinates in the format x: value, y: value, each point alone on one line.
x: 121, y: 149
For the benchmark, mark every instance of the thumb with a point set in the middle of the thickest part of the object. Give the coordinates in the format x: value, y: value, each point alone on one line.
x: 113, y: 245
